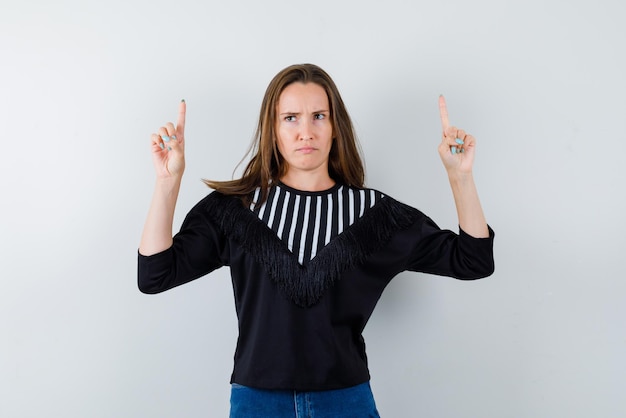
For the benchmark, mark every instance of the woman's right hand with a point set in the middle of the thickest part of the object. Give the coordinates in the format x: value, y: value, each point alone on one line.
x: 168, y: 147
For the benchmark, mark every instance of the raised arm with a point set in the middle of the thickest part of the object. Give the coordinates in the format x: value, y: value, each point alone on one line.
x: 168, y: 156
x: 457, y: 150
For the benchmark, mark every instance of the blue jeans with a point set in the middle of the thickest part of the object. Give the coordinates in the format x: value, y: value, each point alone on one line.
x: 353, y: 402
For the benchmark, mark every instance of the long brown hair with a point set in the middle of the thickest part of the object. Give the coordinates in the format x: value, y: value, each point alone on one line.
x: 267, y: 166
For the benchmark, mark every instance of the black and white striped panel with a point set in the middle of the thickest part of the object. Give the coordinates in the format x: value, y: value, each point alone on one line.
x: 308, y: 221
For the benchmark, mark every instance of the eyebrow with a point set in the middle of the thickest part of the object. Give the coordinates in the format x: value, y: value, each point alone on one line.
x: 299, y: 113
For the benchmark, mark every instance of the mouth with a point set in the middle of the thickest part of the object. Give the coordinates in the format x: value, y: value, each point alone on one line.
x: 306, y: 150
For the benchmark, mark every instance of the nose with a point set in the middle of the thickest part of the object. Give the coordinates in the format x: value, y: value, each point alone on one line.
x: 306, y: 130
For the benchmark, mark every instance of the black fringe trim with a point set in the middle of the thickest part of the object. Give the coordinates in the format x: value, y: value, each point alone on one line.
x: 305, y: 285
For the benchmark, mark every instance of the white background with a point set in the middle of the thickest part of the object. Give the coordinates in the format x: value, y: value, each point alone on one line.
x: 541, y: 84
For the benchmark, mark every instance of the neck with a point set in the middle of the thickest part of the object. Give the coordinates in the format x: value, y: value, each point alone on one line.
x: 308, y: 183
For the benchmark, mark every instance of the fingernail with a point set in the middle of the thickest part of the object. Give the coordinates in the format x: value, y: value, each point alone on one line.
x: 161, y: 145
x: 459, y: 141
x: 182, y: 100
x: 165, y: 138
x: 169, y: 148
x: 173, y: 137
x: 453, y: 150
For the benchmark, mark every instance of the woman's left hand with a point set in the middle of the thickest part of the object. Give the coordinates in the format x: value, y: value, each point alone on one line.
x: 457, y: 147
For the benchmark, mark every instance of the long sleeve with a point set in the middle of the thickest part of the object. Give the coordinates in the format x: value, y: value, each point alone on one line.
x: 197, y: 249
x: 445, y: 253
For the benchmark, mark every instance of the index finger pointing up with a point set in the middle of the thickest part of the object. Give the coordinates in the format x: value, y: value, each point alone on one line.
x: 443, y: 112
x: 182, y: 110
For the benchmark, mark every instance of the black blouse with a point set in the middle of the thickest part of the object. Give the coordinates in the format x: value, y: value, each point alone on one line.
x: 304, y: 293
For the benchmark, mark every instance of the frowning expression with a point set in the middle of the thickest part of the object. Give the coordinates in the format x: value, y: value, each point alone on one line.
x: 304, y: 129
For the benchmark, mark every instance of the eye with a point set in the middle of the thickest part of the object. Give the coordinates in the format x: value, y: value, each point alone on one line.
x: 320, y: 116
x: 290, y: 118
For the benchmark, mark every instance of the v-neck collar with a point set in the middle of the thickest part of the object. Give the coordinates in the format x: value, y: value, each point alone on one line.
x: 306, y: 284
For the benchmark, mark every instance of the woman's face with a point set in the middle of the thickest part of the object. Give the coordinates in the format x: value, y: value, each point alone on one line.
x: 303, y: 128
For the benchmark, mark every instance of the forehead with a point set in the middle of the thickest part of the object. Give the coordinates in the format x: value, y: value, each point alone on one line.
x: 299, y: 95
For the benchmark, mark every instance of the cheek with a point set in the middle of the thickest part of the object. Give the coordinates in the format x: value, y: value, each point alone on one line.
x: 283, y: 133
x: 280, y: 143
x: 330, y: 129
x: 330, y: 135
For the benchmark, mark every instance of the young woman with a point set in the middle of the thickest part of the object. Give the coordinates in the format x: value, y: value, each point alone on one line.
x: 310, y: 249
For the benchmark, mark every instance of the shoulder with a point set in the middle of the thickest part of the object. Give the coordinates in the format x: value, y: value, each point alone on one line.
x: 384, y: 209
x: 217, y: 200
x: 373, y: 194
x: 379, y: 197
x: 218, y: 207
